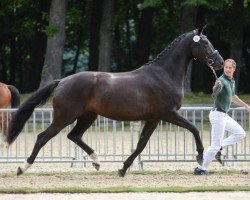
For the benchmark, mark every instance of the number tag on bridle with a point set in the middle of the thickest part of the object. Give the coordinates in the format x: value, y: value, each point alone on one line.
x: 196, y: 38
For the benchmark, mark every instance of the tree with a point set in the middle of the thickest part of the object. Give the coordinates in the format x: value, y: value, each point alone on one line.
x: 55, y: 43
x: 32, y: 75
x: 106, y: 36
x: 188, y: 22
x: 236, y: 41
x: 144, y: 35
x: 94, y: 37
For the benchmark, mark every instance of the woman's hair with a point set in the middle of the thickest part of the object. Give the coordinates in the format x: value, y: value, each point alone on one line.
x: 231, y: 61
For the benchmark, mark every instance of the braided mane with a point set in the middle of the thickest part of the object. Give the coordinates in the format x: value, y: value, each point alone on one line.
x: 167, y: 49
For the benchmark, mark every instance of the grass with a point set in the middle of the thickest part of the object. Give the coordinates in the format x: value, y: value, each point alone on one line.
x: 123, y: 189
x: 114, y: 173
x: 201, y: 98
x: 189, y: 98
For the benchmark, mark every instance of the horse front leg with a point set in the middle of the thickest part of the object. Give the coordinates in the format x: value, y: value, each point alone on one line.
x: 178, y: 120
x: 147, y: 131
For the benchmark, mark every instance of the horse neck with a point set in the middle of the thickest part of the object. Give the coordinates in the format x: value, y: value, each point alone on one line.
x: 177, y: 59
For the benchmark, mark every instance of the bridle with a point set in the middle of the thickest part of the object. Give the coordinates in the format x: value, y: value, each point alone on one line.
x: 210, y: 61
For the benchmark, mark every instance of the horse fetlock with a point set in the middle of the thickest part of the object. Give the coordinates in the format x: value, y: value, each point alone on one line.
x: 96, y: 162
x: 94, y: 157
x: 200, y: 150
x: 199, y: 159
x: 23, y: 168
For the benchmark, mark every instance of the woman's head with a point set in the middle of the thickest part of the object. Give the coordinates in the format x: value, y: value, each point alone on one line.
x: 229, y: 68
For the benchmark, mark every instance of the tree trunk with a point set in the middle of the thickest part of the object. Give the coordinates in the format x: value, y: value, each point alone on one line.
x: 94, y: 40
x: 144, y: 36
x: 80, y: 38
x: 55, y: 44
x: 3, y: 71
x: 188, y: 21
x: 106, y: 36
x: 236, y: 43
x: 128, y: 40
x: 13, y: 59
x: 32, y: 74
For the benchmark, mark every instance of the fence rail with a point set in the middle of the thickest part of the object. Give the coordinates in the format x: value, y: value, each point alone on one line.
x: 114, y: 141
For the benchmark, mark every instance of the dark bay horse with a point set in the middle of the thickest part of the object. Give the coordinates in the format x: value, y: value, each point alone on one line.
x: 9, y: 96
x: 151, y: 93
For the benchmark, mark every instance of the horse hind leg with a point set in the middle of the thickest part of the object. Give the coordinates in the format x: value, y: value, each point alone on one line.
x: 147, y: 131
x: 42, y: 139
x: 75, y: 135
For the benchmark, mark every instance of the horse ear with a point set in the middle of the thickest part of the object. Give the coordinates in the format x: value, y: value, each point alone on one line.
x: 201, y: 29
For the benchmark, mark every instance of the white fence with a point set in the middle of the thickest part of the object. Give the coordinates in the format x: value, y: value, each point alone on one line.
x: 114, y: 141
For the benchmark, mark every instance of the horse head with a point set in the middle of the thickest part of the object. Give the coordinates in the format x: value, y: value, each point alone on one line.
x: 203, y: 50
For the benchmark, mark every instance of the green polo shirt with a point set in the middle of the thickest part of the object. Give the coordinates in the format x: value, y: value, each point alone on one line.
x: 224, y: 98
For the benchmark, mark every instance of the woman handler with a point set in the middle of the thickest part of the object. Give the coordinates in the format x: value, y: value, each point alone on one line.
x: 220, y: 120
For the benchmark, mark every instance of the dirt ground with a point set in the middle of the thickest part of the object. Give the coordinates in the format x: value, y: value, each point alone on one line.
x: 61, y: 175
x: 133, y: 196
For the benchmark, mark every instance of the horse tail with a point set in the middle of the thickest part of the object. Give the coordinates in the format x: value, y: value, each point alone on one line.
x: 19, y: 118
x: 15, y: 96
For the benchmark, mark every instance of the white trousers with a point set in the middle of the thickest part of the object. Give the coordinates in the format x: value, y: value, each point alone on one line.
x: 220, y: 123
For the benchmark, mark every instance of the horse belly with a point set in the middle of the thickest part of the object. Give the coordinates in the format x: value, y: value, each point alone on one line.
x: 125, y: 109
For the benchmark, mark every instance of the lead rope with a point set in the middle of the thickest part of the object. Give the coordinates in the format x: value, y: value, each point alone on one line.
x: 217, y: 89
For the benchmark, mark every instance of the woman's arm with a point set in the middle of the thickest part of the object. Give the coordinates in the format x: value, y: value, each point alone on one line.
x: 236, y: 100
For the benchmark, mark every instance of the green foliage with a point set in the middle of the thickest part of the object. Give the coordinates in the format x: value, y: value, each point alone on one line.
x: 246, y: 3
x: 211, y: 4
x: 21, y: 23
x: 150, y: 4
x: 50, y: 30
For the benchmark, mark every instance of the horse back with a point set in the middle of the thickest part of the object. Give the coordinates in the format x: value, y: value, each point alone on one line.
x: 122, y: 96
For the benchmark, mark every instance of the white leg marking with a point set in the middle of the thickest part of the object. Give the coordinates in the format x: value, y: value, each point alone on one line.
x: 25, y: 166
x: 94, y: 157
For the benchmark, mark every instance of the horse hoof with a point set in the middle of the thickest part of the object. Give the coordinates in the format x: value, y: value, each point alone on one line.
x: 19, y: 171
x: 96, y: 166
x: 121, y: 173
x: 199, y: 159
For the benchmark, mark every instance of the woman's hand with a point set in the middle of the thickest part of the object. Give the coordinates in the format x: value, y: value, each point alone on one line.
x: 217, y: 83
